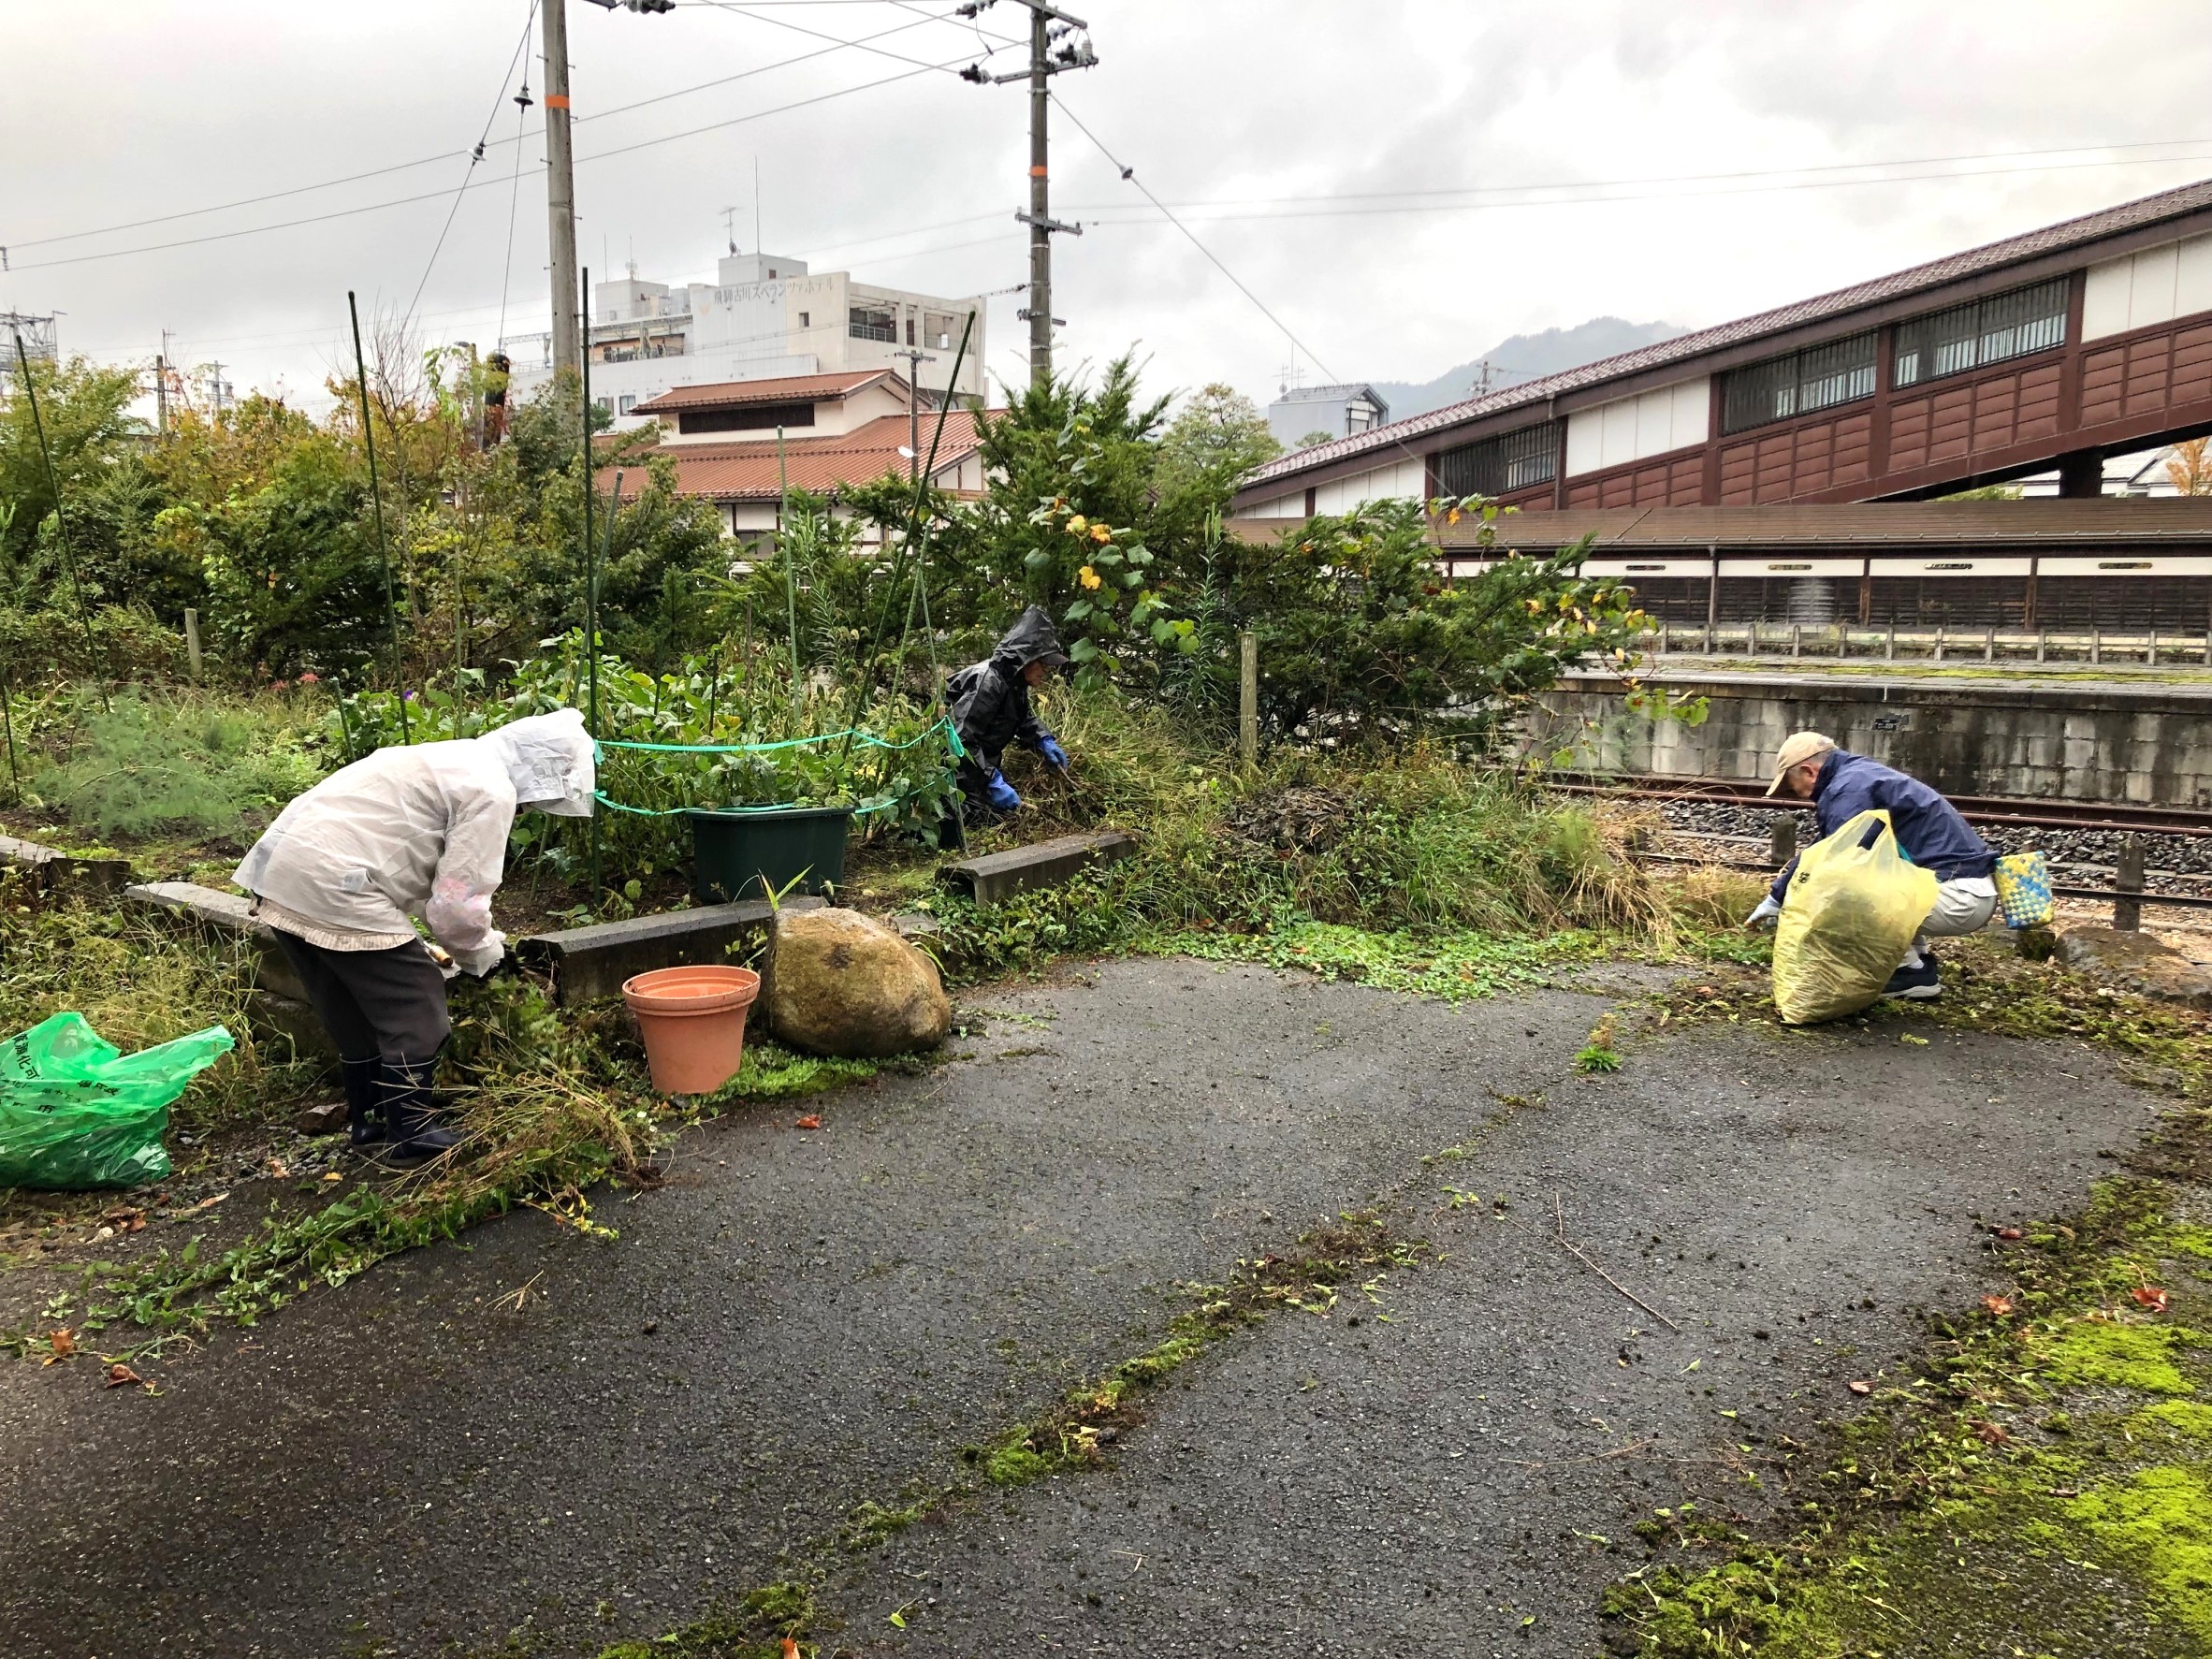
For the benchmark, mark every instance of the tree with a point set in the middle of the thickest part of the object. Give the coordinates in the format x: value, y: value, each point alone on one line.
x: 1312, y: 439
x: 2188, y: 465
x: 1219, y: 436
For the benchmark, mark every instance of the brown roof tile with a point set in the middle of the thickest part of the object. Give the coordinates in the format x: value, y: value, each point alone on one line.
x: 791, y: 388
x: 747, y: 471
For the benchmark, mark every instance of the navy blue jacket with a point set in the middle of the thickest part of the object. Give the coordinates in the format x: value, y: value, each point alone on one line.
x: 1929, y: 827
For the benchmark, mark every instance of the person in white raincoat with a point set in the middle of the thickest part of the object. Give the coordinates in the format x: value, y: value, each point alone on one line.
x: 413, y: 832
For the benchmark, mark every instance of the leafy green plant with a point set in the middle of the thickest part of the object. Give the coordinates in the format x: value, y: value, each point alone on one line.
x: 150, y: 764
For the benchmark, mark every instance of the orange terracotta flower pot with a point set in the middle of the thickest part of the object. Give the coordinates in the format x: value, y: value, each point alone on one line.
x: 692, y: 1020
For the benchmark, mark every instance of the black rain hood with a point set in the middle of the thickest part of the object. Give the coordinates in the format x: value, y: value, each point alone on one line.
x: 1031, y: 639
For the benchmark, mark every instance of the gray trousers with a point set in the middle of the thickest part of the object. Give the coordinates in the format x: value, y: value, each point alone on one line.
x: 1963, y: 905
x: 386, y: 1005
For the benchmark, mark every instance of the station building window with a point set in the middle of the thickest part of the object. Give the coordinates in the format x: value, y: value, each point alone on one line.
x: 1494, y: 466
x: 1800, y: 383
x: 2009, y: 325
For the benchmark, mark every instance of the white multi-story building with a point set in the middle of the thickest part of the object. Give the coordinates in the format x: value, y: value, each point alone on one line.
x: 764, y: 317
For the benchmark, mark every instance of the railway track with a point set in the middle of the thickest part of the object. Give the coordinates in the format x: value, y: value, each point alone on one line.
x: 2108, y: 816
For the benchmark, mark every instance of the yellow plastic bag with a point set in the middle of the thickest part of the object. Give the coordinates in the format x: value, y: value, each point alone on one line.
x: 1848, y: 917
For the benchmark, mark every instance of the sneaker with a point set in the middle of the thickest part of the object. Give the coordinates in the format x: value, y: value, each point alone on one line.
x: 1922, y: 983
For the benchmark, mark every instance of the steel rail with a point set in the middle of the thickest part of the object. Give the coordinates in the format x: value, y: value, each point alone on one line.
x: 2116, y: 817
x: 2193, y: 901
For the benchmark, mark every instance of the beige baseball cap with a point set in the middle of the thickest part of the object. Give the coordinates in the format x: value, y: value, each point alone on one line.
x: 1797, y: 748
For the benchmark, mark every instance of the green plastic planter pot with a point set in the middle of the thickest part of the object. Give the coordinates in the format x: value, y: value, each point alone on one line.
x: 734, y: 853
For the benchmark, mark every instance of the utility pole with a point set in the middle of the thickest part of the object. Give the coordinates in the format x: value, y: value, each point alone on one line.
x: 915, y: 358
x: 1058, y: 42
x: 561, y: 188
x: 560, y: 174
x: 161, y: 389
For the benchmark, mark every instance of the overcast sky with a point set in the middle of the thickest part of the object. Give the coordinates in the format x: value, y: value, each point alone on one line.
x: 1361, y: 166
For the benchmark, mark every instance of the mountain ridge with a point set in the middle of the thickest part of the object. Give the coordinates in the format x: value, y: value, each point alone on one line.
x: 1525, y: 357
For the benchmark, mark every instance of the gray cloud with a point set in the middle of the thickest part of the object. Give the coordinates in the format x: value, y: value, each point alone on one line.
x: 140, y: 107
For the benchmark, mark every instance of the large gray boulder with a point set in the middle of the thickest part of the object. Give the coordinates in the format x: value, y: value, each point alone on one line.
x: 837, y: 983
x: 2130, y: 961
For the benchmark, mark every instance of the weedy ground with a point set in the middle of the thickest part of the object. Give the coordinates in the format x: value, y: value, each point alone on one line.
x: 2038, y: 1482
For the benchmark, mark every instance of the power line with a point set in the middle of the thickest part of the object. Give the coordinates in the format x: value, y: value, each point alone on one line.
x: 1130, y: 174
x: 736, y: 8
x: 480, y: 183
x: 476, y: 155
x: 681, y: 92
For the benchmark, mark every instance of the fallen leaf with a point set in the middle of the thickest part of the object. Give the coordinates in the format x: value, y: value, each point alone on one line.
x: 2152, y: 1297
x: 127, y: 1220
x: 122, y: 1377
x: 333, y: 1175
x: 811, y: 1121
x: 1857, y: 1386
x: 791, y: 1648
x: 2007, y: 1233
x: 204, y: 1204
x: 1992, y: 1433
x: 63, y: 1344
x: 1998, y: 1305
x: 1915, y: 1042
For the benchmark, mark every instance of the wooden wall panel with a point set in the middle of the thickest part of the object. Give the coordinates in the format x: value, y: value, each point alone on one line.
x: 2192, y: 364
x: 2148, y: 361
x: 2104, y: 375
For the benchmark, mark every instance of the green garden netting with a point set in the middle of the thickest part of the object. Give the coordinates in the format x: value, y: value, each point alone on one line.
x: 76, y: 1112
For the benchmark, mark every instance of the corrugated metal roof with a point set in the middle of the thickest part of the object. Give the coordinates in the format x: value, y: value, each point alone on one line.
x: 2050, y: 239
x: 747, y: 470
x: 791, y: 388
x: 2042, y: 523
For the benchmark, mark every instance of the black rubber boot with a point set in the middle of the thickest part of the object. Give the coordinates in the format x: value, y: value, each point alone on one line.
x: 364, y: 1109
x: 413, y: 1132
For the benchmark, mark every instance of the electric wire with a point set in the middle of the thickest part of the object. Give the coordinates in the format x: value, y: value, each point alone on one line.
x: 475, y: 155
x: 1130, y: 173
x: 861, y: 45
x: 404, y: 166
x: 514, y: 204
x: 478, y: 184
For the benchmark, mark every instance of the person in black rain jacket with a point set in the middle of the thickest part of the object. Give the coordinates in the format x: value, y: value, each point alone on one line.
x: 990, y: 705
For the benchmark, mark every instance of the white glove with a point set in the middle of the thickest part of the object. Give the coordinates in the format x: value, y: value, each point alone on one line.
x: 1764, y: 916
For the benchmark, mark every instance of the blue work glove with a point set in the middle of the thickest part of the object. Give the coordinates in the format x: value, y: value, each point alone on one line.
x: 1055, y: 756
x: 1000, y: 793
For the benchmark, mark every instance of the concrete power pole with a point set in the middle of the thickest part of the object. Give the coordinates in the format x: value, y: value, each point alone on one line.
x: 915, y: 358
x: 1040, y: 220
x: 561, y: 191
x: 560, y: 177
x: 1058, y: 42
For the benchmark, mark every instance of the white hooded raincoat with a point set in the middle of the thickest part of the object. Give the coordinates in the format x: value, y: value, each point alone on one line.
x: 422, y: 832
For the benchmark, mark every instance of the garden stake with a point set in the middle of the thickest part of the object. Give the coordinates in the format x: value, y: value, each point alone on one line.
x: 384, y: 557
x: 60, y: 523
x: 591, y: 629
x: 913, y: 521
x: 8, y: 719
x: 591, y: 572
x: 791, y: 585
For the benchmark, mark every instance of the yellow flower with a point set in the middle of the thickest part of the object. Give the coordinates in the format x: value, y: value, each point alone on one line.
x: 1076, y: 525
x: 1089, y: 577
x: 1100, y: 533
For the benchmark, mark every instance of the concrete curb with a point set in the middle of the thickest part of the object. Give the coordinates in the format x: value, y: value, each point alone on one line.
x: 997, y: 877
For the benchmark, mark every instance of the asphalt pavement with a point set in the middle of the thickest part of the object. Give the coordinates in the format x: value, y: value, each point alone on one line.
x: 538, y: 1436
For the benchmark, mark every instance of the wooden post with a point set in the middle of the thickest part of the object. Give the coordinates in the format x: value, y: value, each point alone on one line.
x: 2127, y: 877
x: 1797, y: 639
x: 1942, y: 638
x: 1989, y: 645
x: 1662, y: 638
x: 2096, y: 644
x: 2150, y: 654
x: 1249, y: 698
x: 2043, y: 642
x: 192, y: 639
x: 1889, y: 650
x: 1781, y: 839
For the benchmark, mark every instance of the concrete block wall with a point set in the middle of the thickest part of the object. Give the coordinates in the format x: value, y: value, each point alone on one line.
x: 2148, y: 746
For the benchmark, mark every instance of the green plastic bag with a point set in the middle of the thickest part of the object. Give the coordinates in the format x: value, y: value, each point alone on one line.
x: 78, y: 1112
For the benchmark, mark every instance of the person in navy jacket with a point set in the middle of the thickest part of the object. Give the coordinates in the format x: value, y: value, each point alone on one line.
x: 1840, y: 785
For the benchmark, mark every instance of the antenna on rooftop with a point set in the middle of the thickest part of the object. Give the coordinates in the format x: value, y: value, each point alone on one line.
x: 730, y: 227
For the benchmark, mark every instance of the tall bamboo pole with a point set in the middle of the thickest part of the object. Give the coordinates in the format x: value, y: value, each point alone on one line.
x: 384, y: 557
x: 61, y: 522
x: 790, y: 581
